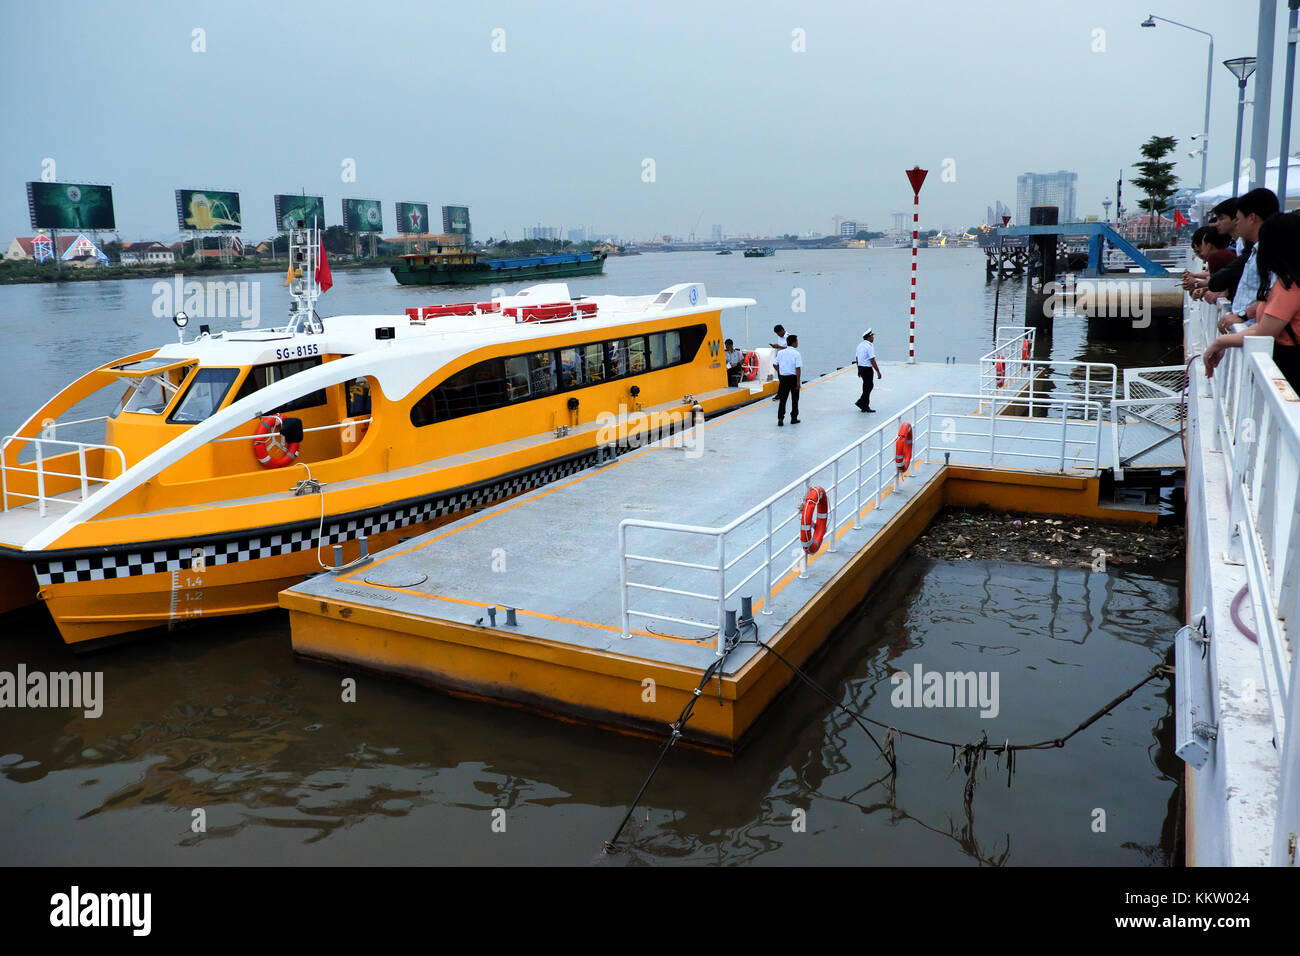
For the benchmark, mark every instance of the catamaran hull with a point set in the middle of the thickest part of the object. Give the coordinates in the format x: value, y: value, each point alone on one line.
x: 104, y: 593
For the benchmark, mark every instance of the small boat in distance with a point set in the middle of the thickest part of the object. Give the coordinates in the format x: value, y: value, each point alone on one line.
x: 459, y: 267
x: 724, y: 252
x: 759, y: 252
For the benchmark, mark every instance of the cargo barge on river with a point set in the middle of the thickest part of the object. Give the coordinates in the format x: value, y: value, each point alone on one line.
x: 471, y: 268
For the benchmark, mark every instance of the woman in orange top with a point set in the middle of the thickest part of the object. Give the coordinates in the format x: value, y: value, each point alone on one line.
x: 1278, y: 252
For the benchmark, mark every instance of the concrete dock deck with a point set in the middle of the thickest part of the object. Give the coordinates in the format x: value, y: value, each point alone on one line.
x: 553, y: 555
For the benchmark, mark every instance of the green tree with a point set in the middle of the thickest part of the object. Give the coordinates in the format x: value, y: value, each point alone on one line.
x: 1157, y: 180
x: 337, y: 241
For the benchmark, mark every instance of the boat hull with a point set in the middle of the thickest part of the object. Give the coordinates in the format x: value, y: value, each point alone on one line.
x: 100, y: 593
x: 484, y: 275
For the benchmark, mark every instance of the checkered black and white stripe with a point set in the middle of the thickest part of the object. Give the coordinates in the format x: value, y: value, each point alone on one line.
x: 101, y: 567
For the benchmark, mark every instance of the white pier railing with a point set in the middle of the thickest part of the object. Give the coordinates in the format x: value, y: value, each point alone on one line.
x: 1009, y: 371
x: 754, y: 553
x: 1256, y: 426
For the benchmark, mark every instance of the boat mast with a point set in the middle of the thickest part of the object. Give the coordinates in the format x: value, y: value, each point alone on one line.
x: 304, y: 248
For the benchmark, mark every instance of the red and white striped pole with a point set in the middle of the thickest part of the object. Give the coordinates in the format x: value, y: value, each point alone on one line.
x: 915, y: 176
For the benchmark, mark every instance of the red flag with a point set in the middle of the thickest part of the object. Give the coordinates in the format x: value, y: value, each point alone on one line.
x: 1179, y: 221
x: 323, y: 277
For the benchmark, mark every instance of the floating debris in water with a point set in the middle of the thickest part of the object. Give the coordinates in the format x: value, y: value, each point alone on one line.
x: 957, y: 535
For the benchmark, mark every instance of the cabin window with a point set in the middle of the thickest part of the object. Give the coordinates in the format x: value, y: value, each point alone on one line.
x: 665, y: 349
x: 152, y: 395
x: 261, y: 376
x: 497, y: 382
x: 616, y: 358
x: 593, y: 358
x: 518, y: 378
x: 204, y: 396
x: 636, y: 353
x: 571, y: 372
x: 541, y: 369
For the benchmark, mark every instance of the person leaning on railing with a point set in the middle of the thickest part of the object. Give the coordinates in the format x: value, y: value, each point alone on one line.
x: 1278, y: 251
x: 1222, y: 281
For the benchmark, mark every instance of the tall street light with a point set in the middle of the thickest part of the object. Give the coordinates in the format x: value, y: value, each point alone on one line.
x: 1241, y: 68
x: 1150, y: 21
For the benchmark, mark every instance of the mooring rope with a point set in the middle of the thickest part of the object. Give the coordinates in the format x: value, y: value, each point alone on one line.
x: 675, y: 733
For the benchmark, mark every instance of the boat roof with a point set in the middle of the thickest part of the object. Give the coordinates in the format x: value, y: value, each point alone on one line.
x: 439, y: 339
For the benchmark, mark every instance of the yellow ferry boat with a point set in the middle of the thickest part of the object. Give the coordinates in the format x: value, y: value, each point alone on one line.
x: 237, y: 463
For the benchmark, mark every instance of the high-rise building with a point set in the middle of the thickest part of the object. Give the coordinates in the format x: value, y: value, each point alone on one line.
x: 1046, y: 189
x: 577, y: 235
x: 541, y: 232
x: 717, y: 232
x: 848, y: 227
x: 996, y: 212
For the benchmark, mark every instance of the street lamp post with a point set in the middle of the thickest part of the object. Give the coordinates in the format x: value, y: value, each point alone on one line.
x: 1150, y: 21
x: 1241, y: 68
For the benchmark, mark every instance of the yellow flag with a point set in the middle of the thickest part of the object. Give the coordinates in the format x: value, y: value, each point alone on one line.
x: 289, y: 278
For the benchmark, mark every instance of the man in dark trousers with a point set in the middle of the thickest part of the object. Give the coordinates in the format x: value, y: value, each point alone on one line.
x: 789, y: 363
x: 866, y: 361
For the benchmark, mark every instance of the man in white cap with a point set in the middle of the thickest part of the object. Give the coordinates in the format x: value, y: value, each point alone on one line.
x: 866, y: 361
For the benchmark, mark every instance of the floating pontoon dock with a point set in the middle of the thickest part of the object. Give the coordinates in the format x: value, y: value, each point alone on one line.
x: 603, y: 597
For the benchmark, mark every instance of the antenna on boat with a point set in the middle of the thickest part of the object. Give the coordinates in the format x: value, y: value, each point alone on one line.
x: 304, y: 251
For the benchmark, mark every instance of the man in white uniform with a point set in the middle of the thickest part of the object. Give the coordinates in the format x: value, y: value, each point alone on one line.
x: 778, y: 330
x: 866, y: 359
x: 789, y: 363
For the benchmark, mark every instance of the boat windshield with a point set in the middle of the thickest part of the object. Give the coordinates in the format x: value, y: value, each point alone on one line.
x: 205, y: 395
x: 152, y: 394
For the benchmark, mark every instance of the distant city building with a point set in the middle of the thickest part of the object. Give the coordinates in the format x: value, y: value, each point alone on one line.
x: 717, y: 232
x: 577, y: 235
x: 541, y: 232
x: 996, y: 212
x: 848, y: 227
x: 1046, y: 189
x: 900, y: 223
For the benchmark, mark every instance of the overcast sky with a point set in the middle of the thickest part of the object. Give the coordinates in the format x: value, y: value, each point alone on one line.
x: 744, y: 129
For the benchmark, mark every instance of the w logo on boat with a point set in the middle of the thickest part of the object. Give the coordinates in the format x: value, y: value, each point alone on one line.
x: 714, y: 347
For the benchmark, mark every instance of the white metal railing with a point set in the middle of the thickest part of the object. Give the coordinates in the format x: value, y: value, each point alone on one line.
x: 1009, y: 371
x: 765, y: 540
x: 1154, y: 397
x: 1256, y: 426
x: 83, y: 476
x: 344, y: 425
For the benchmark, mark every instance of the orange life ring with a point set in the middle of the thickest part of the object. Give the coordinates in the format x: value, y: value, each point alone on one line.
x: 750, y: 366
x: 1024, y: 350
x: 268, y: 430
x: 812, y: 529
x: 903, y: 447
x: 1001, y: 373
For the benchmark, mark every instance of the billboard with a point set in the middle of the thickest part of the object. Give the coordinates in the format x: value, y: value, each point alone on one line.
x: 412, y: 217
x: 363, y: 215
x: 70, y: 206
x: 291, y: 210
x: 208, y: 210
x: 455, y: 219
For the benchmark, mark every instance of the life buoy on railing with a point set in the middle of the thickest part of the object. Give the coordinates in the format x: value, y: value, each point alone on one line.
x: 903, y: 447
x: 750, y: 366
x: 1001, y: 368
x: 1024, y: 350
x: 268, y: 430
x: 812, y: 527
